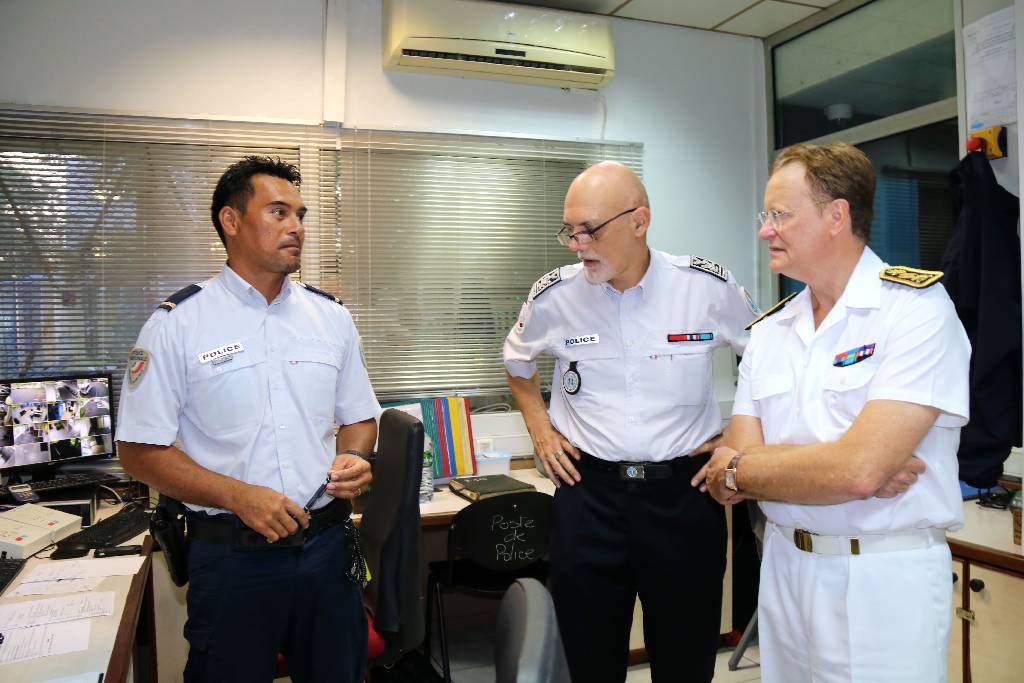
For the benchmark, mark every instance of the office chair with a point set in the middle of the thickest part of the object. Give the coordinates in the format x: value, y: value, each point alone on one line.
x: 528, y: 647
x: 392, y: 543
x: 757, y: 525
x: 391, y: 536
x: 491, y: 543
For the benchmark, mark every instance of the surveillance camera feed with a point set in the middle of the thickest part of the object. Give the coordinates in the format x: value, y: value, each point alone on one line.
x: 52, y: 420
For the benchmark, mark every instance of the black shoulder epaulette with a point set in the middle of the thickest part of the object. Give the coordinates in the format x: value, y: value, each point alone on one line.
x: 322, y: 293
x: 774, y: 309
x: 545, y: 282
x: 911, y: 277
x: 708, y: 266
x: 174, y: 299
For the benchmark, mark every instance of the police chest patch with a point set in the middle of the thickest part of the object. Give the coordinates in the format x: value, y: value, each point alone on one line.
x: 853, y: 355
x: 545, y: 281
x: 710, y: 267
x: 221, y: 353
x: 583, y: 339
x: 138, y: 363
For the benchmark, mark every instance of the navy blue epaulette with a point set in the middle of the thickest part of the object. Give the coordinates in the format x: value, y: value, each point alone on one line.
x: 173, y: 300
x: 326, y: 295
x: 774, y: 309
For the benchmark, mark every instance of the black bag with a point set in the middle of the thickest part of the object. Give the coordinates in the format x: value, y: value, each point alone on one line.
x: 167, y: 526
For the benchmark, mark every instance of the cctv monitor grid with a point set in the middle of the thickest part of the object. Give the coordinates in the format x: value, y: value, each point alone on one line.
x: 50, y: 420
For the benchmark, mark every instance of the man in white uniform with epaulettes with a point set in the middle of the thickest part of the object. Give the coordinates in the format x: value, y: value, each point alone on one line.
x: 632, y: 330
x: 859, y: 386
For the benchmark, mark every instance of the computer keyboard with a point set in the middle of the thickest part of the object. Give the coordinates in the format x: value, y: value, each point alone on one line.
x: 69, y: 481
x: 128, y: 522
x: 8, y: 570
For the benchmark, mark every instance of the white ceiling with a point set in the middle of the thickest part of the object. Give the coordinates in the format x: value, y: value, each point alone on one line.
x: 758, y: 18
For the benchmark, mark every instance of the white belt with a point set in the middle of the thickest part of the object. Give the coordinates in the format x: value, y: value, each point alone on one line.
x: 912, y: 539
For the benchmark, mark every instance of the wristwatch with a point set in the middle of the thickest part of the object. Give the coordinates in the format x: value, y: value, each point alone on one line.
x: 352, y: 451
x: 730, y: 473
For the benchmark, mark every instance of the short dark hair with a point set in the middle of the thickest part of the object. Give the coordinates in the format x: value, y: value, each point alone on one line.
x: 837, y: 171
x: 235, y: 188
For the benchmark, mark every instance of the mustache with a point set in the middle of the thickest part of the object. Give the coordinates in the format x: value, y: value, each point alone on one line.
x: 581, y: 256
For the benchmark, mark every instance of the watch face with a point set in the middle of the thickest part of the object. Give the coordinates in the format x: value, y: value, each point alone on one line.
x: 730, y: 480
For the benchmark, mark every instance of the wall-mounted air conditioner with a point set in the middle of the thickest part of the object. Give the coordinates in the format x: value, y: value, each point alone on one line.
x: 498, y: 41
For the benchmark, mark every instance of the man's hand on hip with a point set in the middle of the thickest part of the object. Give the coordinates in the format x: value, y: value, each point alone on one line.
x: 268, y: 512
x: 350, y: 475
x: 554, y: 451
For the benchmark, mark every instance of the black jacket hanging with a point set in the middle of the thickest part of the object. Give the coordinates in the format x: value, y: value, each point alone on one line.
x: 982, y: 266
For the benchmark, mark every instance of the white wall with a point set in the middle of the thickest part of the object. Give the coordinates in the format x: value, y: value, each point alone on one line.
x: 695, y: 99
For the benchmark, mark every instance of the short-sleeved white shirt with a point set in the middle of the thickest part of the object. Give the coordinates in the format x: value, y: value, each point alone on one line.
x: 801, y: 384
x: 642, y: 356
x: 266, y: 414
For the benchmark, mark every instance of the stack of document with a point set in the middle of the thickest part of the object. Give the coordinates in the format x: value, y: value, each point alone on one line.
x: 446, y: 422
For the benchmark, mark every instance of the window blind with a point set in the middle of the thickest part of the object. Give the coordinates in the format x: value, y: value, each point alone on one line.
x: 436, y: 240
x: 101, y: 218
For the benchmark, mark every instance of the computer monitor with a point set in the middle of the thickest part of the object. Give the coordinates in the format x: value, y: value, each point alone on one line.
x: 46, y: 422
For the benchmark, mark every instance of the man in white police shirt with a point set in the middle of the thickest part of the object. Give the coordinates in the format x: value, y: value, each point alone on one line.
x: 859, y: 387
x: 633, y: 330
x: 250, y: 371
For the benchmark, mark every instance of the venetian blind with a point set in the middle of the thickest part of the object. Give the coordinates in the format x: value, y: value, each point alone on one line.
x: 434, y: 241
x: 102, y: 217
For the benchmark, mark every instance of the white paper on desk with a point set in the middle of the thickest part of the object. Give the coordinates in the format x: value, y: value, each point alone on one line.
x: 85, y: 569
x: 41, y: 641
x: 17, y: 615
x: 90, y: 677
x: 55, y: 587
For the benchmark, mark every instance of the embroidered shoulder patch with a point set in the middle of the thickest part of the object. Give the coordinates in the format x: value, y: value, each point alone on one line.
x: 138, y: 363
x: 774, y: 309
x: 326, y: 295
x: 710, y: 267
x: 171, y: 302
x: 911, y: 277
x: 545, y: 282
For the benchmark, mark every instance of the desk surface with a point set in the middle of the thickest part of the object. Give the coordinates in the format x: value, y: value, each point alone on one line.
x: 441, y: 510
x: 110, y: 637
x: 987, y: 536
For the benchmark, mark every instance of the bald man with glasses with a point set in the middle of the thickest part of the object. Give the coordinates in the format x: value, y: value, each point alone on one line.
x: 632, y: 419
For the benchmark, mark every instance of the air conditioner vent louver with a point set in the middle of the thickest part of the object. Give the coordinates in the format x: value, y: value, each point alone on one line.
x: 498, y: 41
x: 455, y: 56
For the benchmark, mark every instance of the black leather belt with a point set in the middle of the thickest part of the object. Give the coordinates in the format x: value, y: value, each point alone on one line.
x: 230, y: 530
x: 683, y: 466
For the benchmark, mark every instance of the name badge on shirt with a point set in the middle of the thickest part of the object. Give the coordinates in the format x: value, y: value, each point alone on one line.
x: 853, y: 355
x: 691, y: 337
x: 583, y: 339
x: 221, y: 354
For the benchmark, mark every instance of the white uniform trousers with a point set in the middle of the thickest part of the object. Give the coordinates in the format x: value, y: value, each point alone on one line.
x: 872, y: 618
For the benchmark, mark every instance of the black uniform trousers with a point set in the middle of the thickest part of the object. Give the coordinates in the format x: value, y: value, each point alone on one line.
x: 613, y: 539
x: 247, y: 605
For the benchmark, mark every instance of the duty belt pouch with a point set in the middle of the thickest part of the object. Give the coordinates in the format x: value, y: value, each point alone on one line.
x: 167, y: 526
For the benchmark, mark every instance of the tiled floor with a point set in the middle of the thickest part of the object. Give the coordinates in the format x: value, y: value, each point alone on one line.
x: 472, y: 661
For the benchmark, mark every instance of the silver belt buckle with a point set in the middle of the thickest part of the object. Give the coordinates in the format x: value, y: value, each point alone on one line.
x: 632, y: 472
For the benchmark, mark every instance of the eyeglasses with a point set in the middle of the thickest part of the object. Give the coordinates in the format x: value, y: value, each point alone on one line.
x: 585, y: 236
x: 773, y: 219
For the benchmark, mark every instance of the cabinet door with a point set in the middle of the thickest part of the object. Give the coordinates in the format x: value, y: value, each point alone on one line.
x: 956, y: 629
x: 996, y: 599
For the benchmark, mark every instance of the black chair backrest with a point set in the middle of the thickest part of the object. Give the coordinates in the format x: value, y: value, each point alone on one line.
x: 391, y: 535
x: 504, y: 533
x: 527, y: 646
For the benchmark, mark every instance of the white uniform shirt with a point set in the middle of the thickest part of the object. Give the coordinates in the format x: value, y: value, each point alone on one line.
x: 642, y: 357
x: 919, y: 353
x: 263, y: 414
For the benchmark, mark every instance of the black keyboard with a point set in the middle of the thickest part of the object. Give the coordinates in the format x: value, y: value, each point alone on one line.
x: 128, y: 522
x: 69, y: 481
x: 8, y: 570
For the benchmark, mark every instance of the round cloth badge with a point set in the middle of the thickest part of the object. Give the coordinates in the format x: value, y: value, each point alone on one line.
x: 571, y: 380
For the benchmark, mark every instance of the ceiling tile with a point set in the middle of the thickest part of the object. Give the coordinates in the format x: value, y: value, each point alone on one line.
x: 695, y: 13
x: 767, y: 18
x: 819, y: 3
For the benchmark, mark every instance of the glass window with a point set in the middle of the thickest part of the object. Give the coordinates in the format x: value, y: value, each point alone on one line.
x: 887, y: 57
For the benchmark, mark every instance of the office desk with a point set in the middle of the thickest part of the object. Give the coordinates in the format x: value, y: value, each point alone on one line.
x: 121, y: 645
